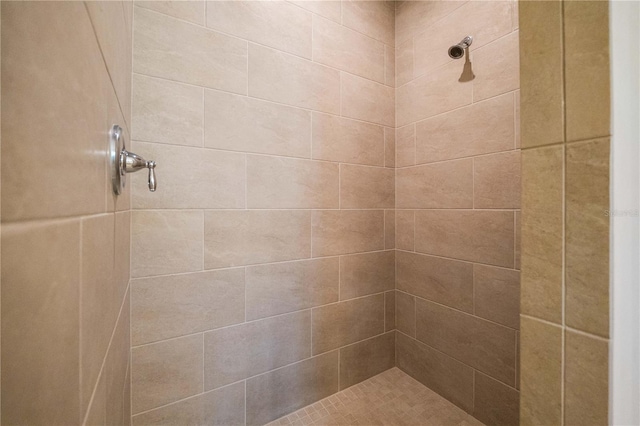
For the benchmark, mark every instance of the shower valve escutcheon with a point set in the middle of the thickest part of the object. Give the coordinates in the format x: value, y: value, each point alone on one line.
x: 123, y: 162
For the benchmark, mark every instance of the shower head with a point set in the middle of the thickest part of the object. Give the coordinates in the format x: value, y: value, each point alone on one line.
x: 457, y: 51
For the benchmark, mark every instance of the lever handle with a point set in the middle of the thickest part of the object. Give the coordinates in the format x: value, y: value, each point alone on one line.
x: 152, y: 175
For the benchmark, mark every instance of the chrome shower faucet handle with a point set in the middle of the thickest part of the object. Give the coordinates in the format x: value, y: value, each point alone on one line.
x: 123, y: 162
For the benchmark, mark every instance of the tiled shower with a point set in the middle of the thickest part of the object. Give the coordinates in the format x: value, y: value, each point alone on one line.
x: 336, y: 198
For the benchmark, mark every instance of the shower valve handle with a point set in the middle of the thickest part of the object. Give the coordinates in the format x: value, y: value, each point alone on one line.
x: 133, y: 163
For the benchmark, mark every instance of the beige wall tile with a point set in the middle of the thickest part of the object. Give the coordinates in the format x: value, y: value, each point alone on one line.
x: 173, y: 49
x: 40, y: 321
x: 494, y: 403
x: 497, y: 68
x: 347, y: 322
x: 189, y: 178
x: 235, y: 353
x: 412, y: 17
x: 275, y: 182
x: 496, y: 181
x: 389, y: 66
x: 439, y: 372
x: 348, y: 141
x: 276, y: 24
x: 586, y: 64
x: 365, y: 359
x: 192, y: 10
x: 586, y: 380
x: 166, y: 242
x: 291, y: 286
x: 481, y: 128
x: 340, y: 47
x: 541, y: 373
x: 224, y: 406
x: 477, y: 236
x: 367, y: 100
x: 389, y: 147
x: 121, y: 202
x: 367, y: 273
x: 176, y: 305
x: 239, y: 123
x: 97, y: 412
x: 347, y: 231
x: 486, y: 21
x: 390, y: 310
x: 442, y: 185
x: 431, y: 94
x: 517, y: 117
x: 405, y: 230
x: 375, y: 19
x: 404, y: 62
x: 366, y: 187
x: 123, y: 250
x: 587, y: 237
x: 389, y: 229
x: 327, y: 8
x: 518, y: 238
x: 449, y: 282
x: 406, y: 146
x: 234, y: 238
x: 167, y: 112
x: 37, y: 67
x: 541, y: 68
x: 483, y: 345
x: 116, y: 366
x: 166, y: 372
x: 406, y: 313
x: 280, y: 77
x: 496, y: 294
x: 271, y: 395
x: 542, y: 229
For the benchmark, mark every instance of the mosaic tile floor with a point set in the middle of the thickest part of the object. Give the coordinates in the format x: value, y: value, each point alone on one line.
x: 391, y: 398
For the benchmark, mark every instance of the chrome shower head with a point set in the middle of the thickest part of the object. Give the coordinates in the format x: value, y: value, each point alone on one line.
x: 457, y: 51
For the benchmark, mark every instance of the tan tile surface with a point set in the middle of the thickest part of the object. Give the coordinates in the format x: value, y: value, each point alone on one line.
x: 390, y: 398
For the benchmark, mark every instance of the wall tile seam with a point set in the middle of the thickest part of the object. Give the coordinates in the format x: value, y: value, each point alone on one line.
x: 58, y: 220
x: 442, y: 305
x: 458, y: 260
x: 339, y: 348
x: 457, y: 360
x: 467, y: 157
x: 566, y: 144
x: 246, y: 322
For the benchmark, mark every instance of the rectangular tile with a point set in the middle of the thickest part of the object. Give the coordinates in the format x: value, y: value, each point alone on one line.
x: 224, y: 406
x: 347, y: 141
x: 375, y: 19
x: 340, y: 47
x: 495, y: 403
x: 275, y: 182
x: 285, y: 390
x: 587, y: 236
x: 586, y: 380
x: 291, y: 286
x: 405, y: 230
x: 483, y: 345
x: 347, y: 231
x: 496, y: 294
x: 366, y: 187
x: 441, y: 373
x: 238, y: 352
x: 497, y: 181
x: 190, y: 178
x: 166, y: 372
x: 389, y: 147
x: 41, y: 338
x: 586, y: 66
x: 116, y: 366
x: 167, y: 112
x: 330, y: 9
x: 449, y: 282
x: 176, y: 50
x: 389, y: 66
x: 175, y: 305
x: 412, y: 17
x: 404, y: 62
x: 443, y: 185
x: 389, y: 310
x: 477, y: 236
x: 542, y: 229
x: 192, y: 10
x: 245, y: 237
x: 431, y: 94
x: 540, y: 394
x: 262, y: 22
x: 367, y: 273
x: 240, y: 123
x: 347, y: 322
x: 365, y: 359
x: 406, y: 313
x: 497, y: 68
x: 366, y: 100
x: 287, y: 79
x: 166, y: 242
x: 488, y: 127
x: 406, y: 146
x: 389, y: 229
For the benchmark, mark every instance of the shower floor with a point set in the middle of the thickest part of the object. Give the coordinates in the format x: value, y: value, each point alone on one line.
x: 390, y: 398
